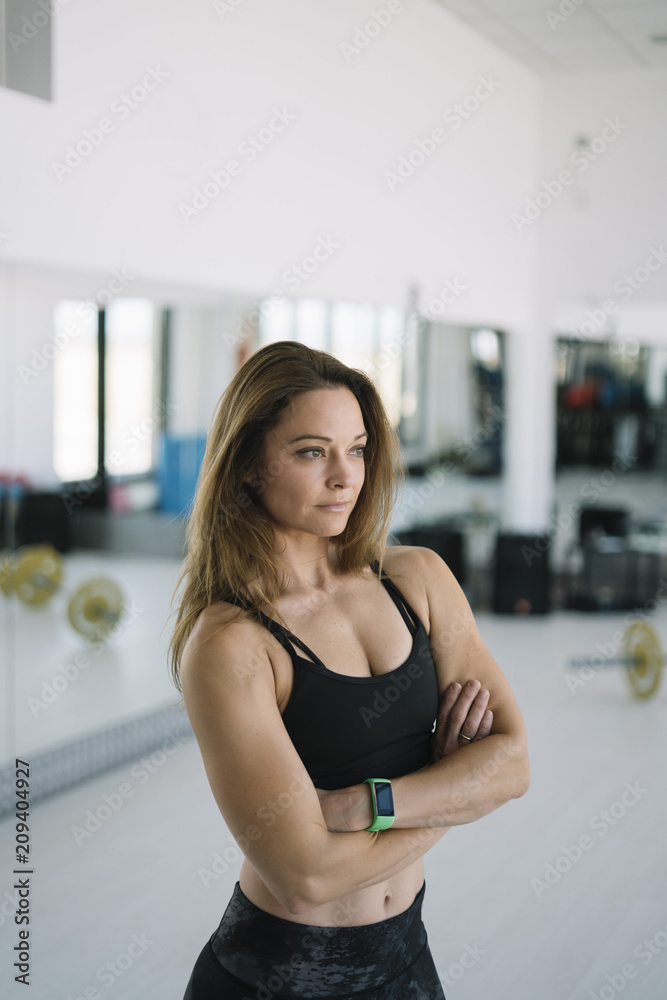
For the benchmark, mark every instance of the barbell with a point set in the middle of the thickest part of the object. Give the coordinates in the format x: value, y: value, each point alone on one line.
x: 35, y: 574
x: 642, y: 658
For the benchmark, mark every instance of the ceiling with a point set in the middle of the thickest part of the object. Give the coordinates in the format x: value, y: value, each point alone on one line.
x: 572, y: 36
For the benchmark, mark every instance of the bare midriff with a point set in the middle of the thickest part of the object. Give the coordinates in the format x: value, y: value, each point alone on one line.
x: 365, y: 906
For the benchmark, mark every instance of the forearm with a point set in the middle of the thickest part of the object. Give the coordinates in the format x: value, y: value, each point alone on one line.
x: 351, y: 861
x: 457, y: 789
x: 464, y: 786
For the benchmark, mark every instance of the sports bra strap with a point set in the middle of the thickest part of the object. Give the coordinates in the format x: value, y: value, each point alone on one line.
x: 286, y: 638
x: 282, y: 634
x: 399, y: 600
x: 401, y: 604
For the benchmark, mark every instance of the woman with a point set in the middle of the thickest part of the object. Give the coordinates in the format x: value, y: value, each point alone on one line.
x: 286, y: 556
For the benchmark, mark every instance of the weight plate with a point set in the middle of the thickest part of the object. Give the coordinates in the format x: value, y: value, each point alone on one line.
x: 95, y: 607
x: 39, y: 570
x: 642, y: 644
x: 6, y: 573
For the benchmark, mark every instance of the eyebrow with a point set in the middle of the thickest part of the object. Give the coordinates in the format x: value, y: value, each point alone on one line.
x: 318, y: 437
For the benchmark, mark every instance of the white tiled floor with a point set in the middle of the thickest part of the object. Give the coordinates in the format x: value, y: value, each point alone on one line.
x: 139, y: 873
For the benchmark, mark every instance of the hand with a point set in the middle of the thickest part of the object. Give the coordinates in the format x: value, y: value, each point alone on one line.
x: 462, y: 710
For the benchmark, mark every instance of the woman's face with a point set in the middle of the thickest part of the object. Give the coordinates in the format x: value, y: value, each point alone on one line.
x: 314, y: 458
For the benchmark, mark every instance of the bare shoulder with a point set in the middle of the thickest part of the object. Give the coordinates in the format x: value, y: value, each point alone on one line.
x: 222, y: 642
x: 414, y: 563
x: 419, y: 561
x: 407, y: 559
x: 407, y: 566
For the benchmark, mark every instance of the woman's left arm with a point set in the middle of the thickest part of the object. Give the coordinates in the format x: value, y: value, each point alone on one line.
x: 466, y: 780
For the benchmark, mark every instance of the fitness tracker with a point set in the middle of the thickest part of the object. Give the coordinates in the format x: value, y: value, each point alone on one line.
x: 383, y: 804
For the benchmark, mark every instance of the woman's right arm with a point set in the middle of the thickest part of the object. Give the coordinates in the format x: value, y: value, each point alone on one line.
x: 261, y: 785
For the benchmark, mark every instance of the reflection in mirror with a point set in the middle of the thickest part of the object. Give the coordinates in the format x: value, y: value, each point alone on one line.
x: 611, y: 398
x: 611, y: 459
x: 459, y: 400
x: 362, y: 335
x: 106, y: 401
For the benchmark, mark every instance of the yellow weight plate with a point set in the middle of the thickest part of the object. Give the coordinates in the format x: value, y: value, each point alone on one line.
x: 39, y: 570
x: 95, y: 607
x: 6, y: 573
x: 642, y: 644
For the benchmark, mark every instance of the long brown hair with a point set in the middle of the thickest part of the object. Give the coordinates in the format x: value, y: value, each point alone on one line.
x: 230, y: 549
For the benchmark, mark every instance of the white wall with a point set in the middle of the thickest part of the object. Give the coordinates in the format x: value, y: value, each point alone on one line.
x: 605, y: 223
x: 323, y: 175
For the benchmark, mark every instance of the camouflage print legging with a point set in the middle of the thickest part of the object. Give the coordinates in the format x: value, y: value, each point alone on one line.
x: 254, y: 955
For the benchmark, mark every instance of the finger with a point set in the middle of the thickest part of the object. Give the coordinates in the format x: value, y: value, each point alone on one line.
x: 485, y: 725
x: 447, y: 702
x: 472, y: 722
x: 464, y: 705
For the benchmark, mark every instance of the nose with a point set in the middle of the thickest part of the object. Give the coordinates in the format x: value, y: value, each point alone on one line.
x: 341, y: 474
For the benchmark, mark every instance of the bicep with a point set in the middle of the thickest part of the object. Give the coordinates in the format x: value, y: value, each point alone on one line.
x: 259, y: 782
x: 459, y: 652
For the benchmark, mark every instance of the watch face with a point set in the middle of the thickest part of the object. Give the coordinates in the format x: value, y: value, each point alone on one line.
x: 384, y: 798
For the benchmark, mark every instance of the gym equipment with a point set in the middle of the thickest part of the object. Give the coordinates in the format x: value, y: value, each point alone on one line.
x: 35, y: 576
x: 643, y: 658
x: 522, y: 574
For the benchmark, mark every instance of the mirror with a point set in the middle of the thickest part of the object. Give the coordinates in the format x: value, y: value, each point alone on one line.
x: 111, y: 381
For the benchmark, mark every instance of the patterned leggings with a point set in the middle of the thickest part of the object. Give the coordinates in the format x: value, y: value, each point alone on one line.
x: 254, y: 955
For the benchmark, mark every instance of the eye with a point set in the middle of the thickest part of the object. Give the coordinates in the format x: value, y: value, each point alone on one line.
x: 309, y: 451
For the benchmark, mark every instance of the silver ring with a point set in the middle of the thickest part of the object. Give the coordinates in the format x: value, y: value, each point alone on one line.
x: 468, y: 739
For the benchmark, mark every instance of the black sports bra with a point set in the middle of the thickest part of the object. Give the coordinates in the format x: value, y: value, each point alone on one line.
x: 347, y: 729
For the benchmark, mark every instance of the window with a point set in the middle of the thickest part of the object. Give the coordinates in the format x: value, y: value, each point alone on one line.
x: 129, y: 378
x: 360, y: 334
x: 132, y: 372
x: 75, y: 392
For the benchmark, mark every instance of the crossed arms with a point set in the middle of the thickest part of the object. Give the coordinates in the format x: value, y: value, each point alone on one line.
x: 250, y: 761
x: 465, y: 780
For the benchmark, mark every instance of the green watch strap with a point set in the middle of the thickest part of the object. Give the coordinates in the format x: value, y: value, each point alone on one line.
x: 383, y: 810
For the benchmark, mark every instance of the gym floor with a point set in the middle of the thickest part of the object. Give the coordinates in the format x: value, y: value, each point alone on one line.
x: 558, y: 894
